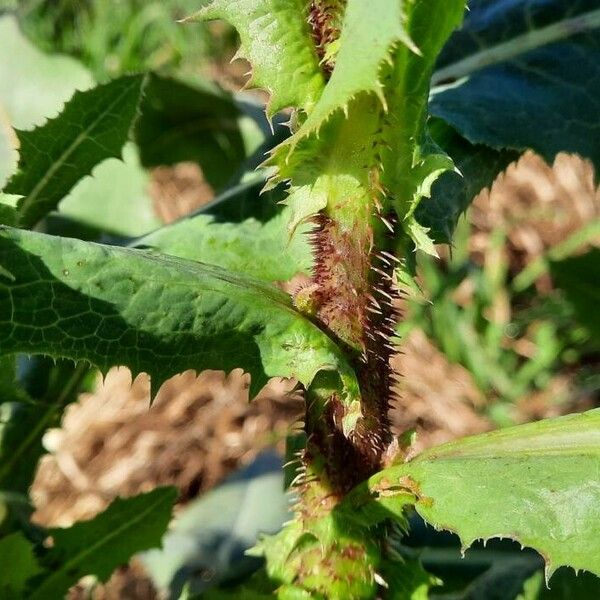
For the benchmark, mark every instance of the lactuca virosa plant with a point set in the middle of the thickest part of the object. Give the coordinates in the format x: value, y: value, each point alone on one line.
x: 379, y: 164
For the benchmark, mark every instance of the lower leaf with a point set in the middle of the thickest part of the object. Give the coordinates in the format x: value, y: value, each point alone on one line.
x: 538, y: 484
x: 161, y: 315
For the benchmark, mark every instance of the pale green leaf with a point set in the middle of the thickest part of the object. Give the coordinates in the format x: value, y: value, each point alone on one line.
x: 275, y: 38
x: 100, y: 545
x: 8, y: 153
x: 33, y: 85
x: 214, y: 531
x: 115, y: 199
x: 262, y: 250
x: 538, y: 484
x: 370, y: 32
x: 152, y: 313
x: 93, y: 126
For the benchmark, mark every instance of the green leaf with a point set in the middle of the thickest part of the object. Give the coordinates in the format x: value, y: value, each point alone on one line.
x: 18, y: 565
x: 564, y: 585
x: 261, y: 250
x: 407, y: 580
x: 10, y: 390
x: 534, y: 483
x: 370, y: 32
x: 578, y: 277
x: 453, y: 192
x: 93, y: 126
x: 35, y: 86
x: 152, y: 313
x: 99, y: 546
x: 115, y: 198
x: 412, y: 160
x: 190, y: 121
x: 275, y: 38
x: 23, y: 424
x: 525, y: 74
x: 371, y: 116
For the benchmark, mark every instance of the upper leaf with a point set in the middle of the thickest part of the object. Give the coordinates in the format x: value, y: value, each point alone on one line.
x: 535, y: 483
x: 98, y: 546
x: 370, y: 32
x: 93, y: 126
x: 276, y: 39
x: 525, y: 74
x: 152, y: 313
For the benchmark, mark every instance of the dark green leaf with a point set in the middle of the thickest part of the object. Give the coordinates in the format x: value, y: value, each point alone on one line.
x: 99, y: 546
x: 10, y: 390
x: 185, y: 121
x: 93, y: 126
x: 525, y: 74
x: 23, y: 424
x: 579, y: 278
x: 452, y: 193
x: 17, y: 564
x: 152, y: 313
x: 564, y: 585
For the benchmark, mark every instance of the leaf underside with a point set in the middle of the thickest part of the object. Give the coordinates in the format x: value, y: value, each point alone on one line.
x: 528, y: 76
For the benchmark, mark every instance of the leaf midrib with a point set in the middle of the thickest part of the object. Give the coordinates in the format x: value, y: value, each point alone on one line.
x: 518, y: 45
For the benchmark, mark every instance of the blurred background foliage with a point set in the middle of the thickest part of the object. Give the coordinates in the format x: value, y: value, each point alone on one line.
x: 503, y: 328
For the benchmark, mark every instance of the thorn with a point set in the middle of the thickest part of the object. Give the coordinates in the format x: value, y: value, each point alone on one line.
x: 387, y: 223
x: 391, y: 256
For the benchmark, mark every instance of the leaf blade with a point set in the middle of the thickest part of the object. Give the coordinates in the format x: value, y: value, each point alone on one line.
x: 276, y: 40
x: 536, y: 483
x: 152, y: 313
x: 93, y: 126
x: 101, y: 544
x: 529, y: 63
